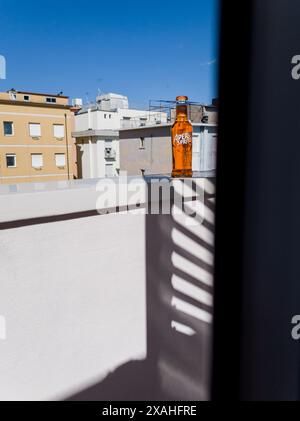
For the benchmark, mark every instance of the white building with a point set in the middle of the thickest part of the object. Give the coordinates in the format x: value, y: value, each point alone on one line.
x: 97, y: 133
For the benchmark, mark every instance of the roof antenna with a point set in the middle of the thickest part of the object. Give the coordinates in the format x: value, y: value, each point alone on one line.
x: 99, y: 80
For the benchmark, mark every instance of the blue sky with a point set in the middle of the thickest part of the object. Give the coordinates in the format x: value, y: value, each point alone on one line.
x: 146, y: 50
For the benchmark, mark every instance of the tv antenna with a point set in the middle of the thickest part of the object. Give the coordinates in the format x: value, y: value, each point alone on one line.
x: 99, y: 81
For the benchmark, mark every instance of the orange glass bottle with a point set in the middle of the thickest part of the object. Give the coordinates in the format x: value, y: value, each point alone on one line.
x: 182, y: 140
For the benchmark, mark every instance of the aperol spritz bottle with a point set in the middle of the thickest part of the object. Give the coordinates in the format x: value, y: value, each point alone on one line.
x: 182, y: 140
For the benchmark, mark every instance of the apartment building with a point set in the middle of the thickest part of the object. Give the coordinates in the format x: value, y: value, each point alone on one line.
x: 35, y: 137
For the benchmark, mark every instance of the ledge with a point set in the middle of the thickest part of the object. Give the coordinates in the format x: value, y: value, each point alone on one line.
x: 92, y: 133
x: 79, y: 198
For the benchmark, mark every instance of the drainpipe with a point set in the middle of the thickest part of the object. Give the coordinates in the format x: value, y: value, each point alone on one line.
x: 67, y: 146
x: 89, y: 119
x: 91, y: 155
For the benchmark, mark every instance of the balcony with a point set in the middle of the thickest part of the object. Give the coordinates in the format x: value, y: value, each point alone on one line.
x: 100, y: 299
x: 151, y: 120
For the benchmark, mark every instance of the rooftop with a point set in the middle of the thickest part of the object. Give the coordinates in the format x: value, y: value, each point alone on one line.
x: 26, y: 98
x: 59, y: 95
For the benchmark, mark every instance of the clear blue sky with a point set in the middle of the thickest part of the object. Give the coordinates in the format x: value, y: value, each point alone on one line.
x: 143, y: 49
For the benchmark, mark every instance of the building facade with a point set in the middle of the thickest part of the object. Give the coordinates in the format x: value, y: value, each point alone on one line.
x: 148, y: 150
x: 97, y: 133
x: 35, y: 138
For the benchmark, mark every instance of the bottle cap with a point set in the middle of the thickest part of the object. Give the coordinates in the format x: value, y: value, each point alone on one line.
x: 181, y: 99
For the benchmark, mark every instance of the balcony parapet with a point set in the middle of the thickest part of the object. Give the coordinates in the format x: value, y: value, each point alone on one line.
x: 79, y: 198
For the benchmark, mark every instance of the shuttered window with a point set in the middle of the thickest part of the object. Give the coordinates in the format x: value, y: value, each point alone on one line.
x: 60, y: 159
x: 35, y: 130
x: 59, y: 131
x: 37, y: 160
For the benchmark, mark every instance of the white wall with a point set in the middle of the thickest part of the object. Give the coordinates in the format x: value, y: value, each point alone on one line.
x: 204, y: 148
x: 112, y: 101
x: 96, y: 120
x: 113, y: 120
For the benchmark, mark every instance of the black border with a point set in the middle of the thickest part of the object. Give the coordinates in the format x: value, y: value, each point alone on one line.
x: 234, y: 95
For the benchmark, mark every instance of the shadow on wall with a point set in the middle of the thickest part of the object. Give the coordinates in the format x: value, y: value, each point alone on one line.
x: 179, y: 258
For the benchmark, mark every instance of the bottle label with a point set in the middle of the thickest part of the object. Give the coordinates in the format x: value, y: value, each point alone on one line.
x: 183, y: 139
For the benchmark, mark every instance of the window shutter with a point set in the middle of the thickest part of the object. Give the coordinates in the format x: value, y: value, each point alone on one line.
x: 59, y: 131
x: 37, y: 160
x: 60, y: 159
x: 35, y: 130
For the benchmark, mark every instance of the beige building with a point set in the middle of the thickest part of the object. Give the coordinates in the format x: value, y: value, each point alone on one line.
x: 35, y: 138
x: 148, y: 150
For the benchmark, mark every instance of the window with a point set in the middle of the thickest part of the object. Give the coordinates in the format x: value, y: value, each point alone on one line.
x: 142, y: 143
x: 37, y: 160
x: 109, y: 170
x: 143, y: 121
x: 105, y: 115
x: 8, y: 127
x: 35, y: 129
x: 60, y: 159
x: 109, y: 116
x: 11, y: 161
x: 51, y: 100
x: 26, y: 97
x: 125, y: 122
x: 13, y: 96
x: 59, y: 131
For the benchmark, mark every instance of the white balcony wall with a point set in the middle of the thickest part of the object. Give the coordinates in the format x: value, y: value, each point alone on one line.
x: 74, y: 284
